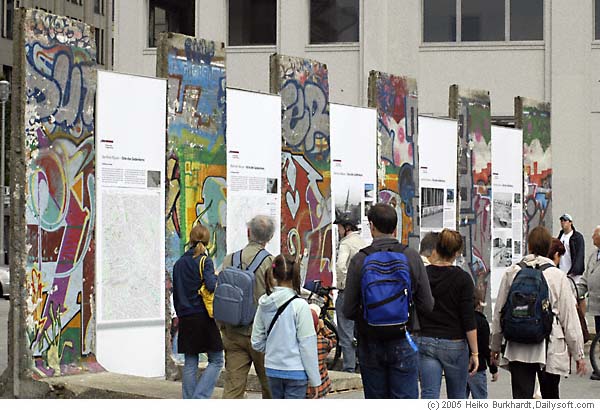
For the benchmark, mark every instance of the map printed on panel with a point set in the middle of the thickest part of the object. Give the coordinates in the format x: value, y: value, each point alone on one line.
x: 131, y: 277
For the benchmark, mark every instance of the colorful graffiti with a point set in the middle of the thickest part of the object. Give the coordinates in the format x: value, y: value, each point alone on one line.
x: 196, y: 157
x: 534, y: 118
x: 305, y: 164
x: 472, y: 110
x: 60, y: 84
x: 396, y: 100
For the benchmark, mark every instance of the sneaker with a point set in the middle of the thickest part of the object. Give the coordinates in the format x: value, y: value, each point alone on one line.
x: 594, y: 376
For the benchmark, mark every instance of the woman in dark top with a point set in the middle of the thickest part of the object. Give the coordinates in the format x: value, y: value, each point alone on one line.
x: 450, y: 329
x: 198, y: 332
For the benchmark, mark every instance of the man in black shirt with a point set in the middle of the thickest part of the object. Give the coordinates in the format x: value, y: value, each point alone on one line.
x: 387, y: 355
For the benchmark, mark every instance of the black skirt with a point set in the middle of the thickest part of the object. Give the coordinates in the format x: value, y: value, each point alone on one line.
x: 198, y: 333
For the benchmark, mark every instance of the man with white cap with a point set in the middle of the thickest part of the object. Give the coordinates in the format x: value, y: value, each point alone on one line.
x: 572, y: 262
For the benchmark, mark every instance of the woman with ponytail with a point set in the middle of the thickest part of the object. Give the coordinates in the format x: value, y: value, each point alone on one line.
x: 283, y: 329
x: 449, y: 332
x: 198, y: 332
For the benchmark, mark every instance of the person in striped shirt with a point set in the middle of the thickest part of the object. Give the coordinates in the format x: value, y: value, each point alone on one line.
x: 325, y: 342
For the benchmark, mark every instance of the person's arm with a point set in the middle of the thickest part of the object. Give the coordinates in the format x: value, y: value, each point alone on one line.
x: 341, y: 264
x: 467, y: 311
x: 350, y: 309
x: 483, y: 344
x: 259, y: 332
x: 578, y: 267
x: 260, y: 279
x: 569, y: 320
x: 421, y: 290
x: 210, y: 279
x: 474, y: 356
x: 582, y: 286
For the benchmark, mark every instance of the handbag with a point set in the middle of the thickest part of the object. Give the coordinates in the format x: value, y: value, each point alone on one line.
x: 207, y: 295
x: 580, y: 313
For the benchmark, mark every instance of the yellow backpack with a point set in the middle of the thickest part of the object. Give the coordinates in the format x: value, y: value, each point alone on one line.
x: 207, y: 295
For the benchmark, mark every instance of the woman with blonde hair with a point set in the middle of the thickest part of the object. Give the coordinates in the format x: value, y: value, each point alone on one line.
x: 198, y: 332
x: 450, y: 330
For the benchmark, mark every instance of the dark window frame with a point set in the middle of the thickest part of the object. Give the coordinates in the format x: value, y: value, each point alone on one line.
x: 313, y: 42
x: 244, y: 42
x: 507, y: 27
x: 150, y: 27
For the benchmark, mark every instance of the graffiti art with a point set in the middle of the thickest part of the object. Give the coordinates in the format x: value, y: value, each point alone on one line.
x: 534, y: 118
x: 305, y: 164
x: 396, y: 101
x: 59, y: 86
x: 196, y: 155
x: 472, y: 110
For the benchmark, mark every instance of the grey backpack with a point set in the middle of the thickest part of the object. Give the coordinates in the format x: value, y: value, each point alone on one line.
x: 234, y: 294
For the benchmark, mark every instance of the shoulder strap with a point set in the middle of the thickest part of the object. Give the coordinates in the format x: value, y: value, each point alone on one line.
x: 259, y: 258
x: 279, y: 312
x: 368, y: 250
x: 545, y: 266
x: 201, y: 266
x: 236, y: 259
x: 397, y: 247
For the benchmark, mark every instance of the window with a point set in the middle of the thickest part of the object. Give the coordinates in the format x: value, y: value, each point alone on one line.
x: 479, y: 20
x: 175, y: 16
x: 440, y: 20
x: 252, y: 22
x: 334, y: 21
x: 482, y: 20
x: 99, y: 34
x: 99, y: 7
x: 527, y: 19
x: 8, y: 14
x: 597, y: 19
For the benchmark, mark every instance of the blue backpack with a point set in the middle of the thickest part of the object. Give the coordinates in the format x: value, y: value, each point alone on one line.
x: 527, y: 315
x: 386, y: 286
x: 234, y: 294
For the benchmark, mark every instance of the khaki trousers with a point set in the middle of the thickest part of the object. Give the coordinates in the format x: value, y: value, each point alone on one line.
x: 239, y: 356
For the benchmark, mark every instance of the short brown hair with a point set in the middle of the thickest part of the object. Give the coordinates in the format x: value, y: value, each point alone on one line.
x: 539, y: 241
x: 383, y: 217
x: 449, y: 242
x: 556, y: 247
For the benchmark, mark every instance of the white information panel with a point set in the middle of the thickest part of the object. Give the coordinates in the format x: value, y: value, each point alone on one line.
x: 507, y: 202
x: 353, y: 133
x: 437, y: 173
x: 130, y: 224
x: 253, y: 164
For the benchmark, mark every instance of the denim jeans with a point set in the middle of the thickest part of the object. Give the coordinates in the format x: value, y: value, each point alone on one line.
x: 442, y: 355
x: 345, y: 329
x: 477, y: 385
x: 389, y: 369
x: 203, y: 388
x: 287, y: 388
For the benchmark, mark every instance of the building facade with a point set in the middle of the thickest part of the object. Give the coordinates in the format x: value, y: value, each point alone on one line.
x: 96, y: 13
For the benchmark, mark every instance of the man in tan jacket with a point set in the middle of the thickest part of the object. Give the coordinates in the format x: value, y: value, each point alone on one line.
x: 350, y: 244
x: 590, y: 284
x: 239, y: 355
x: 549, y: 361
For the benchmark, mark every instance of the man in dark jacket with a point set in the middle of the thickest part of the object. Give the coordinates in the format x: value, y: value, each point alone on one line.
x: 572, y: 262
x: 387, y: 354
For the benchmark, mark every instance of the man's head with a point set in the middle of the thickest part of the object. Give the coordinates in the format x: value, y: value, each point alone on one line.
x: 596, y: 237
x: 261, y: 229
x: 428, y: 244
x: 566, y: 223
x: 383, y: 220
x: 346, y: 224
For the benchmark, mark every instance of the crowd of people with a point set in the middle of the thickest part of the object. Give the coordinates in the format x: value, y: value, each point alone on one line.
x: 405, y: 319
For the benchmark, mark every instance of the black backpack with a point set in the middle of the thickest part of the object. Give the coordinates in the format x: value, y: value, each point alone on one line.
x: 527, y: 314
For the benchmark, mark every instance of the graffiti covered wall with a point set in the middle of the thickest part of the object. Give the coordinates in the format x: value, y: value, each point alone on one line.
x: 534, y: 118
x: 57, y: 78
x: 196, y: 154
x: 472, y: 110
x: 305, y: 164
x: 396, y: 100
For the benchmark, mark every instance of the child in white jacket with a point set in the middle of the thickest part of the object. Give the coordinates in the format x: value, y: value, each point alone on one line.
x: 283, y: 329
